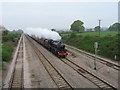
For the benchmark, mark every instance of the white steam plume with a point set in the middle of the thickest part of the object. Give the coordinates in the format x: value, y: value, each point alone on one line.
x: 43, y: 33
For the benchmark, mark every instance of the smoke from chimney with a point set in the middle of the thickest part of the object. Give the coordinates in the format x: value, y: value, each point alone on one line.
x: 43, y: 33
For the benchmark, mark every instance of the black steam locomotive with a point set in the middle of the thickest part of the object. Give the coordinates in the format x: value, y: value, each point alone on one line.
x: 56, y: 47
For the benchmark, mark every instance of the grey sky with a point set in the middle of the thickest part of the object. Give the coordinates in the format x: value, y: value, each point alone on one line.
x: 57, y: 15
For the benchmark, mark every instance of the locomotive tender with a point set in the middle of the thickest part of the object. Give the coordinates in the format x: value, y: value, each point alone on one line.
x: 56, y: 47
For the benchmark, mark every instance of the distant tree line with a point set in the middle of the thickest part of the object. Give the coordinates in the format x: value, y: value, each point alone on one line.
x: 78, y: 26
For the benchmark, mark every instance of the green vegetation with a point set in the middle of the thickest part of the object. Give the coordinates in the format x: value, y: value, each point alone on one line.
x: 77, y: 26
x: 108, y: 42
x: 102, y: 34
x: 0, y: 56
x: 114, y: 27
x: 97, y: 28
x: 9, y: 41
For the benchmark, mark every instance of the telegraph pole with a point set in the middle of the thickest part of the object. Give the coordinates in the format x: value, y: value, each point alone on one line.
x: 99, y: 26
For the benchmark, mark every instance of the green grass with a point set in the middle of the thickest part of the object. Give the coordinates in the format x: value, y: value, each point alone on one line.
x: 7, y: 49
x: 0, y: 64
x: 102, y: 34
x: 0, y: 56
x: 85, y: 41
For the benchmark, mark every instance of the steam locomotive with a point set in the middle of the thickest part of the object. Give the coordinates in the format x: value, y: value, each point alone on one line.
x: 56, y: 47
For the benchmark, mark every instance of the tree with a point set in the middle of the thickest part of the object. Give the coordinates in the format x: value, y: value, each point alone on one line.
x: 4, y: 32
x: 77, y: 26
x: 114, y: 27
x: 97, y: 28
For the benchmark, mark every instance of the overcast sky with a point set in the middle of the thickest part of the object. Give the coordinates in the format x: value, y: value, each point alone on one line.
x: 57, y: 14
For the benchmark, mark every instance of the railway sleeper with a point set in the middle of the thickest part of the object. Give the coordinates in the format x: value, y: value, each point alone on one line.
x: 104, y: 86
x: 90, y: 77
x: 101, y: 84
x: 95, y: 80
x: 108, y: 87
x: 98, y: 82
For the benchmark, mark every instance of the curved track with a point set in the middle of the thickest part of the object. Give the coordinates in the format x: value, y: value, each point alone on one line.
x: 88, y: 75
x: 99, y: 59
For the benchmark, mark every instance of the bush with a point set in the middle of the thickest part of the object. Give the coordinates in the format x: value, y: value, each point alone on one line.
x: 73, y: 34
x: 10, y: 37
x: 8, y: 43
x: 6, y: 52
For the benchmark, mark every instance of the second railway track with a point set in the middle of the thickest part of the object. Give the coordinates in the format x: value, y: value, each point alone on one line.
x: 91, y: 77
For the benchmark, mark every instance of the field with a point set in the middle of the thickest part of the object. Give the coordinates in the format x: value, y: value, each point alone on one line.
x: 112, y: 33
x: 108, y: 46
x: 0, y: 64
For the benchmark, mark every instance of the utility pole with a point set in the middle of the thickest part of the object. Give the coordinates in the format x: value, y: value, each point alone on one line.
x: 95, y: 59
x: 99, y: 26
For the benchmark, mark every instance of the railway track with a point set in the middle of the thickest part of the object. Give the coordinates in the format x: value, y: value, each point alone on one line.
x: 99, y: 59
x: 54, y: 74
x: 102, y: 84
x: 17, y: 81
x: 14, y: 77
